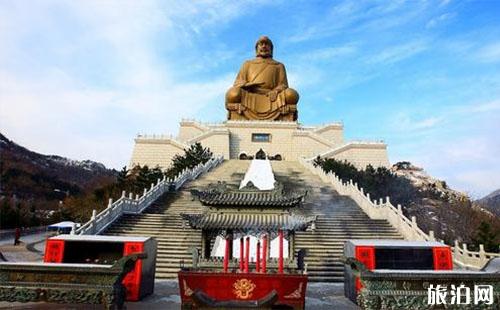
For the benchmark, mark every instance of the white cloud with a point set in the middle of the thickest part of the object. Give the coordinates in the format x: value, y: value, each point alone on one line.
x: 433, y: 22
x: 489, y: 53
x: 397, y: 53
x: 328, y: 54
x: 464, y: 151
x: 486, y: 107
x: 93, y: 77
x: 405, y: 122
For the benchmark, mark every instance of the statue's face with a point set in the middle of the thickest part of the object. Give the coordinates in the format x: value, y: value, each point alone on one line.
x: 264, y: 49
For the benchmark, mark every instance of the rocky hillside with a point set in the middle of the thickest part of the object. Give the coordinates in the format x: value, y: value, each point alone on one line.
x: 425, y: 183
x: 33, y: 176
x: 491, y: 202
x: 449, y: 213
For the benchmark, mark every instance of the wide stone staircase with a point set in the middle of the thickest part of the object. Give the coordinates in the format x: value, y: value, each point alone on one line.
x: 162, y: 220
x: 338, y: 219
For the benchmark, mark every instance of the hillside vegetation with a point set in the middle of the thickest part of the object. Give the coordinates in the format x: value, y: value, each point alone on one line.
x: 32, y: 185
x: 37, y: 189
x: 450, y: 214
x: 79, y: 207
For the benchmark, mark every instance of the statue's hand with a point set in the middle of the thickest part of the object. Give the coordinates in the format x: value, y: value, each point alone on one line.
x: 251, y: 85
x: 272, y: 95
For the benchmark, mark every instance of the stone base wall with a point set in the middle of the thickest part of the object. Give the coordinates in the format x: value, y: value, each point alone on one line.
x: 361, y: 154
x: 232, y: 138
x: 155, y: 151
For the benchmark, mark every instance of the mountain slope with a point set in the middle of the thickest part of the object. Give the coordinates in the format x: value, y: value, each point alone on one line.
x: 491, y: 202
x: 30, y: 175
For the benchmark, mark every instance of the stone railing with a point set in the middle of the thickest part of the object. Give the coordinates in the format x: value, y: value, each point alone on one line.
x: 408, y: 228
x: 471, y: 259
x: 135, y: 205
x: 234, y: 263
x: 154, y: 137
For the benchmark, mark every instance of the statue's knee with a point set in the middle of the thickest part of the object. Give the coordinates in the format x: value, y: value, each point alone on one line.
x: 233, y: 95
x: 291, y: 96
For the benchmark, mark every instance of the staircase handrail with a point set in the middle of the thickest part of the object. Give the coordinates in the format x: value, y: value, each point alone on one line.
x: 471, y: 259
x: 130, y: 205
x: 386, y: 210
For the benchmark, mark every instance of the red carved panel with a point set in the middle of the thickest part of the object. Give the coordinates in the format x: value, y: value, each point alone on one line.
x: 132, y: 280
x: 54, y: 251
x: 442, y: 258
x: 366, y: 255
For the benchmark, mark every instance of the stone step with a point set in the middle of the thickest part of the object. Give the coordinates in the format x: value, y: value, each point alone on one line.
x: 159, y: 231
x: 344, y: 237
x: 326, y: 279
x: 311, y: 249
x: 318, y: 268
x: 336, y: 229
x: 349, y: 222
x: 334, y: 274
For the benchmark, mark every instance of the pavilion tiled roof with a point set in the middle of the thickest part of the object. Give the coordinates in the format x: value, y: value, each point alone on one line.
x: 248, y: 222
x: 221, y: 195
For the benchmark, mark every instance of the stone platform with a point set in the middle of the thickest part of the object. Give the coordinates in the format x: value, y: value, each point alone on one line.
x: 232, y: 139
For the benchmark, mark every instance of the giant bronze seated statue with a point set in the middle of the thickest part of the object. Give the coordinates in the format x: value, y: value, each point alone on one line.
x: 260, y: 91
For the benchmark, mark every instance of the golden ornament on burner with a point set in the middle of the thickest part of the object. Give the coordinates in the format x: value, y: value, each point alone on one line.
x: 243, y: 288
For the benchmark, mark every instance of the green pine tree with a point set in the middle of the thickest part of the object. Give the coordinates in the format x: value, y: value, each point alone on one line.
x: 486, y: 237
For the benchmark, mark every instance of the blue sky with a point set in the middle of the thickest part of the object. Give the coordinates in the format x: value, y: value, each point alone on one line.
x: 82, y: 78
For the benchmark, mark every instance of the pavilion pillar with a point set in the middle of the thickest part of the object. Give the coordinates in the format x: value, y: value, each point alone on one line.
x: 264, y: 254
x: 242, y: 254
x: 230, y: 233
x: 291, y: 244
x: 247, y: 254
x: 229, y: 240
x: 257, y: 260
x: 280, y: 255
x: 204, y: 244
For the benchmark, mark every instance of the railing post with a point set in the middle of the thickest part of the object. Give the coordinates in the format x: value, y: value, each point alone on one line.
x: 123, y: 194
x: 431, y: 235
x: 456, y: 248
x: 145, y: 191
x: 482, y: 254
x: 94, y: 213
x: 136, y: 196
x: 110, y: 202
x: 130, y: 195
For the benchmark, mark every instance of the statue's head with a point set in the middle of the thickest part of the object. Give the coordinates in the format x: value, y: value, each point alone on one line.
x: 264, y: 47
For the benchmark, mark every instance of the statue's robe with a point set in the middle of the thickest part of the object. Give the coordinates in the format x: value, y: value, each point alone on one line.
x: 255, y: 103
